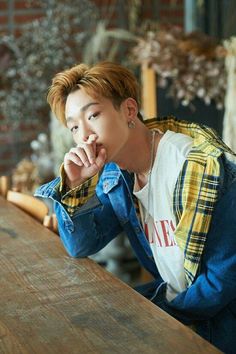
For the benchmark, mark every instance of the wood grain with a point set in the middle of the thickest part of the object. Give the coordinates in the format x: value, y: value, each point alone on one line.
x: 51, y: 303
x: 149, y: 89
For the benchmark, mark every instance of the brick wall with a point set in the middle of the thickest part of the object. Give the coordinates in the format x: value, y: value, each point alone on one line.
x: 14, y: 143
x: 14, y: 13
x: 171, y: 11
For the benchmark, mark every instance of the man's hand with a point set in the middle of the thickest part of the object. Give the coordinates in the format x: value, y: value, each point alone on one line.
x: 84, y: 161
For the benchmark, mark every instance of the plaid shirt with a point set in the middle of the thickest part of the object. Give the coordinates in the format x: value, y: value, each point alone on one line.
x: 78, y: 196
x: 195, y: 194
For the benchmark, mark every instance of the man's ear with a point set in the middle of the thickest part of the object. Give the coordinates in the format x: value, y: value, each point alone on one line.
x: 131, y: 108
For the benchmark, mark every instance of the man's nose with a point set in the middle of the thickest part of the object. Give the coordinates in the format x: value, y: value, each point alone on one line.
x: 84, y: 132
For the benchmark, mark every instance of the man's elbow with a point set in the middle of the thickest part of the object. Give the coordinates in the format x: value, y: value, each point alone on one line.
x: 75, y: 253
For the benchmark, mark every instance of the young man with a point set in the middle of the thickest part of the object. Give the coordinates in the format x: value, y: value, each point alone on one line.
x: 166, y: 183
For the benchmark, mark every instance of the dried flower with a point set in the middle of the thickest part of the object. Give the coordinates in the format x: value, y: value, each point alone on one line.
x: 46, y: 46
x: 70, y: 32
x: 191, y: 65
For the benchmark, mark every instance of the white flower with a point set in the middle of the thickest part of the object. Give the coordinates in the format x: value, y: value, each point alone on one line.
x: 35, y: 145
x: 42, y: 138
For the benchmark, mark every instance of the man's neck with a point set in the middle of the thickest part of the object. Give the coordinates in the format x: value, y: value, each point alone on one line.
x: 136, y: 154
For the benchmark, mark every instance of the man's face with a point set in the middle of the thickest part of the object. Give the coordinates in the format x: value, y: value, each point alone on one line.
x: 87, y: 115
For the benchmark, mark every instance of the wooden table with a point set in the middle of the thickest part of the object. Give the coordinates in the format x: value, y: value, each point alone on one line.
x: 51, y: 303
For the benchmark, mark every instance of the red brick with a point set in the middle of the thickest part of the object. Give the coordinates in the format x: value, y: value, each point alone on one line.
x: 172, y: 3
x: 6, y: 169
x: 21, y: 19
x: 4, y: 127
x: 17, y: 32
x: 22, y: 5
x: 3, y: 5
x: 2, y: 118
x: 100, y: 3
x: 27, y: 125
x: 5, y: 140
x: 3, y: 20
x: 6, y: 155
x: 171, y: 13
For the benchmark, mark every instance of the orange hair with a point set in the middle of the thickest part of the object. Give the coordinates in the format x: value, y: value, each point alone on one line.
x: 107, y: 79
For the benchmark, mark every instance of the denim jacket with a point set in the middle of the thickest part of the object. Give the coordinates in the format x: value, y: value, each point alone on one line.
x: 210, y: 301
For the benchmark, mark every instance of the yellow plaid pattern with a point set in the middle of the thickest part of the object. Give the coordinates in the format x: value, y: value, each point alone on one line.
x: 76, y: 197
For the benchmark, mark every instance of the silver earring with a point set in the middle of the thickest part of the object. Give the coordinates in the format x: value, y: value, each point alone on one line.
x: 131, y: 124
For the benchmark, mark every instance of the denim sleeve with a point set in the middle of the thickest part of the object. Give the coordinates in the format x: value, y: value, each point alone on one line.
x: 215, y: 286
x: 91, y: 225
x: 89, y: 229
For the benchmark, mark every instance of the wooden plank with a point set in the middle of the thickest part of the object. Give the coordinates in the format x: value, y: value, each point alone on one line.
x: 5, y: 184
x: 149, y: 100
x: 51, y: 303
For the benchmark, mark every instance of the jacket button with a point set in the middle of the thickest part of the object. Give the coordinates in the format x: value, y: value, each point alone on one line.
x: 105, y: 185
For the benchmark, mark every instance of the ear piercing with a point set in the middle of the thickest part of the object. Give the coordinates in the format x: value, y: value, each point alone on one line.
x: 131, y: 124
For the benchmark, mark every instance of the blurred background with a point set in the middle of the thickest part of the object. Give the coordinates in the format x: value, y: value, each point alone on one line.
x: 188, y: 45
x: 40, y: 38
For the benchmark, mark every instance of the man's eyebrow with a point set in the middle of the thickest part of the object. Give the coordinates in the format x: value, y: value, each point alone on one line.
x: 82, y: 109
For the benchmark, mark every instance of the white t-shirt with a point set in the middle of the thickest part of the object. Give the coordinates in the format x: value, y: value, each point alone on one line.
x: 161, y: 224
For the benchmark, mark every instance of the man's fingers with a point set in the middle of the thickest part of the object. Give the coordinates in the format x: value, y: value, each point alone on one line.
x: 101, y: 158
x: 72, y: 157
x: 86, y: 153
x: 84, y: 157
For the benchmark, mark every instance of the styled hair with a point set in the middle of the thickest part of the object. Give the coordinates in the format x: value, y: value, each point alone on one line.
x: 107, y: 79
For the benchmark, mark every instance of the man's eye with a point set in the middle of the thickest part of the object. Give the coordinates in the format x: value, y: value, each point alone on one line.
x: 93, y: 116
x: 74, y: 129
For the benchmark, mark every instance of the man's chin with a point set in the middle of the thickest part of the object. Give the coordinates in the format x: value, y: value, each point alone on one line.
x: 121, y: 165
